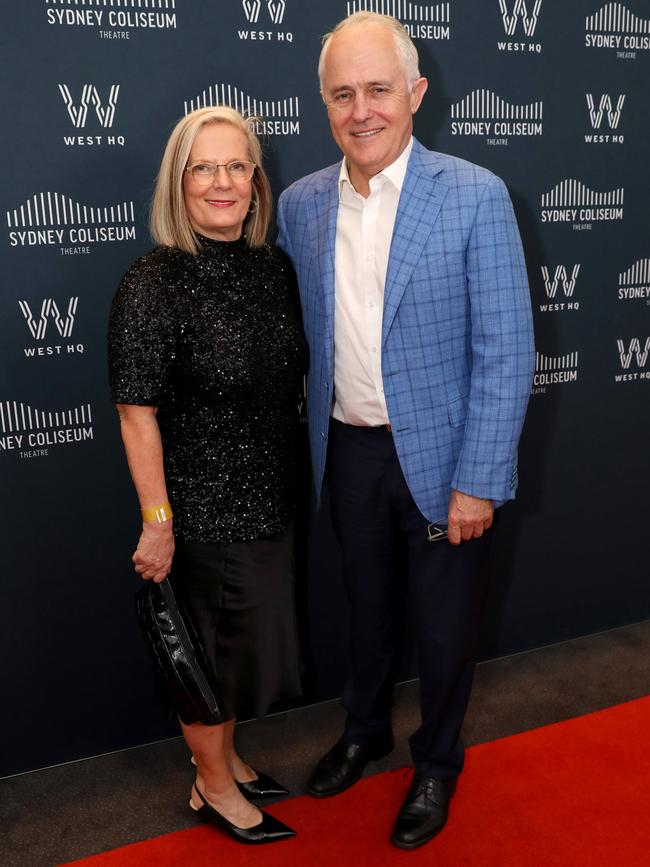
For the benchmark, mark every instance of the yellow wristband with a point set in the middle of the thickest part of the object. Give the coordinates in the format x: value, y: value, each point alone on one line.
x: 160, y: 514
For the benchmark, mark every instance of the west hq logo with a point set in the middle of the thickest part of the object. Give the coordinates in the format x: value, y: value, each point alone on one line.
x: 559, y: 288
x: 571, y: 201
x: 604, y: 114
x: 634, y: 282
x: 113, y: 19
x: 101, y: 111
x: 31, y: 432
x: 52, y: 219
x: 90, y: 96
x: 633, y: 356
x: 420, y: 21
x: 272, y: 117
x: 519, y: 18
x: 553, y: 370
x: 276, y: 10
x: 613, y: 26
x: 483, y: 113
x: 38, y: 319
x: 265, y: 13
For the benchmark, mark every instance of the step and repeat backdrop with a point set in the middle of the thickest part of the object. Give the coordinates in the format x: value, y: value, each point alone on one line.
x: 552, y: 96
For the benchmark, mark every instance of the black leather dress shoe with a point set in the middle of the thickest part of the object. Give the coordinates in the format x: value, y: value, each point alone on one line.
x: 424, y: 811
x: 269, y: 830
x: 344, y: 764
x: 263, y: 787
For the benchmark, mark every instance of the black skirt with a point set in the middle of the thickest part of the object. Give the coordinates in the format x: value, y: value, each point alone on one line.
x: 240, y: 598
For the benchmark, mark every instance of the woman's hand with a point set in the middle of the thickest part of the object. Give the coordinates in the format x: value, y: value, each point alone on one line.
x: 153, y: 556
x: 141, y: 437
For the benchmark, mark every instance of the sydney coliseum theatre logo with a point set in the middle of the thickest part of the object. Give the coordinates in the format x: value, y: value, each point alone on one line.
x: 634, y: 282
x: 554, y: 370
x: 30, y: 432
x: 483, y: 113
x: 54, y: 220
x: 112, y: 19
x: 617, y: 28
x: 571, y: 201
x: 421, y: 21
x: 275, y: 116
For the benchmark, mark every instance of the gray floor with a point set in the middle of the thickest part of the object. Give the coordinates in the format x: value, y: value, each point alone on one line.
x: 56, y: 815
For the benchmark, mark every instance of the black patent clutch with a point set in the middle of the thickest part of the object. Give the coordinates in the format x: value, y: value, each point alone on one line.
x: 178, y: 656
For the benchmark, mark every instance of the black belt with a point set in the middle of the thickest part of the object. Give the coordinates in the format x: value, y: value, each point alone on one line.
x: 378, y: 427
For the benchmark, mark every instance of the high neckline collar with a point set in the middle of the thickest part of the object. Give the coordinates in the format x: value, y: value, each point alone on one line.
x: 212, y: 244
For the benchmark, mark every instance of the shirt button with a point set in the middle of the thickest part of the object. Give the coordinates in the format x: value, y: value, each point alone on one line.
x: 373, y: 349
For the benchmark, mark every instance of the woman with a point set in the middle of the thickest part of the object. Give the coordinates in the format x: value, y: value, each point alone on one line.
x: 206, y: 351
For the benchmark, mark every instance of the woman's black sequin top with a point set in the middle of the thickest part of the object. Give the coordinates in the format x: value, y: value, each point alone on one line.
x: 215, y: 341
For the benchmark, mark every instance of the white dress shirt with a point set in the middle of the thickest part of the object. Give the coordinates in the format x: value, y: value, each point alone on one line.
x: 364, y: 231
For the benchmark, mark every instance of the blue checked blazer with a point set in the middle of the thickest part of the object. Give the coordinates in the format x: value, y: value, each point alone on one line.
x: 457, y: 340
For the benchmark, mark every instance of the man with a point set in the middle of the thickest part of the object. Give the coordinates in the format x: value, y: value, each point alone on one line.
x: 417, y: 312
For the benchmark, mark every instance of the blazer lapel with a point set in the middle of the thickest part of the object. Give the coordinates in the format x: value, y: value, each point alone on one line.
x: 322, y: 227
x: 422, y: 195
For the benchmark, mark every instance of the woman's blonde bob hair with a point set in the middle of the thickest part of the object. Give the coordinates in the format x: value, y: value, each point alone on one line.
x: 169, y: 223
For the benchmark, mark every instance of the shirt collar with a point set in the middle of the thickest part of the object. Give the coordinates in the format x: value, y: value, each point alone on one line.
x: 395, y: 172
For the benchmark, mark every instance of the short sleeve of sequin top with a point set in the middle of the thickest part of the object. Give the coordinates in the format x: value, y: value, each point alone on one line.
x: 142, y: 333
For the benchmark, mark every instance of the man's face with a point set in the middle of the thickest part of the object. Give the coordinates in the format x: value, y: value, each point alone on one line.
x: 369, y: 105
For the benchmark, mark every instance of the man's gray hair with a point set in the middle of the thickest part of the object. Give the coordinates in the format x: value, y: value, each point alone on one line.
x: 407, y: 53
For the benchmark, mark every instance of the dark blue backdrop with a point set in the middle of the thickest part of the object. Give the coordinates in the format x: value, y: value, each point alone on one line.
x: 550, y: 95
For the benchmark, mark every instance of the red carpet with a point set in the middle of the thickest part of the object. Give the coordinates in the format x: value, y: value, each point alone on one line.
x: 571, y: 794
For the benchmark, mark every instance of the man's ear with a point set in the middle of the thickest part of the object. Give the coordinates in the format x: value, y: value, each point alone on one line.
x: 417, y: 93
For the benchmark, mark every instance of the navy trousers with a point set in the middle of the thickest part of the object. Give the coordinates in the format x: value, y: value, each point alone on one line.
x: 386, y: 553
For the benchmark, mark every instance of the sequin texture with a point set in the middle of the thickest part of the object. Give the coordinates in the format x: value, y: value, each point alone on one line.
x: 215, y: 341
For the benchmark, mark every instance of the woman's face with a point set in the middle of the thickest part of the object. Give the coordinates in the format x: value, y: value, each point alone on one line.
x: 217, y: 208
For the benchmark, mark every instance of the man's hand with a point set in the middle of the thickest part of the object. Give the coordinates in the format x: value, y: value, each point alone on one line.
x: 468, y: 517
x: 153, y: 556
